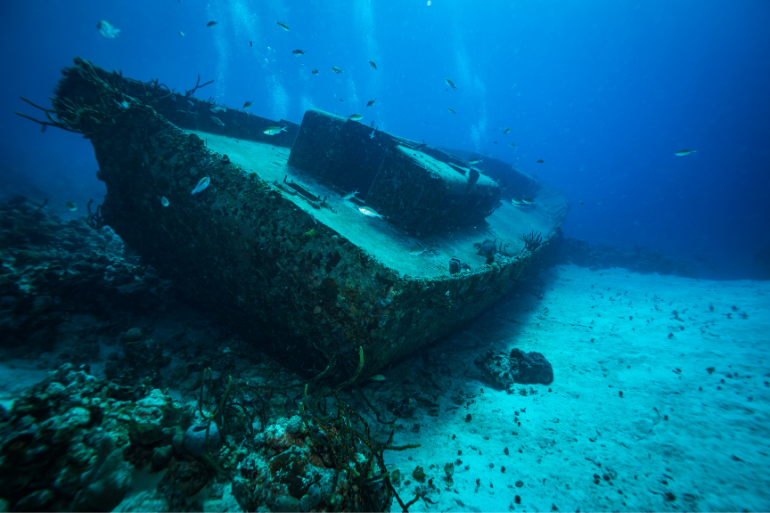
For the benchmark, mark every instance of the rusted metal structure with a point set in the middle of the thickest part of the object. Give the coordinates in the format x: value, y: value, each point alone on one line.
x: 273, y: 245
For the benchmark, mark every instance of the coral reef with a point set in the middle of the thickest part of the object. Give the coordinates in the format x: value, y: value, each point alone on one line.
x: 604, y: 256
x: 50, y: 269
x: 74, y: 442
x: 62, y: 445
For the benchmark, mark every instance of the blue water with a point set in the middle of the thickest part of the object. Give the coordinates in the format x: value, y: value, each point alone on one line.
x: 605, y: 92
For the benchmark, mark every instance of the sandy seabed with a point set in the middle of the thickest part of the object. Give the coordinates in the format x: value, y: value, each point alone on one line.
x: 660, y: 402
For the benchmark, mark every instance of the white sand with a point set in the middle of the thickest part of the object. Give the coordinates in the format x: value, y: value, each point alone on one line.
x: 712, y: 452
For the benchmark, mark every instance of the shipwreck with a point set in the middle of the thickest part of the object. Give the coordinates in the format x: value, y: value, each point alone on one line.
x: 278, y: 245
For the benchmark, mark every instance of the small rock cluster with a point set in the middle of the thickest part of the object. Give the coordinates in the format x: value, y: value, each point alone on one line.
x: 504, y: 370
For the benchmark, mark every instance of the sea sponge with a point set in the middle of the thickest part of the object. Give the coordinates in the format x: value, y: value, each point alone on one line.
x: 195, y: 439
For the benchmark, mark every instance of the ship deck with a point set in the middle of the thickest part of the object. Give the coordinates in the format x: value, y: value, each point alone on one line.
x: 388, y: 244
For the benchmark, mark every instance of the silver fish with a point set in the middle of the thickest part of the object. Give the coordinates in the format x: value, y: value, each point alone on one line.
x: 350, y: 195
x: 273, y: 130
x: 682, y: 153
x: 107, y: 30
x: 218, y: 109
x: 217, y: 121
x: 202, y: 184
x: 355, y: 117
x: 369, y: 212
x: 164, y: 200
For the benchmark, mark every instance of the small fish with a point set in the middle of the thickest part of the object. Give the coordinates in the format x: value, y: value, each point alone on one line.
x: 337, y: 70
x: 273, y: 130
x: 70, y: 206
x: 340, y: 99
x: 211, y: 23
x: 372, y: 64
x: 450, y: 83
x: 218, y: 108
x: 282, y: 25
x: 247, y: 105
x: 164, y: 200
x: 540, y: 161
x: 202, y: 184
x: 371, y: 102
x: 512, y: 145
x: 488, y: 248
x: 355, y: 117
x: 192, y: 104
x: 314, y: 72
x: 181, y: 33
x: 251, y: 44
x: 517, y: 202
x: 378, y: 377
x: 350, y: 195
x: 298, y: 53
x: 582, y: 203
x: 450, y: 109
x: 527, y: 201
x: 417, y: 250
x: 107, y: 30
x: 371, y: 136
x: 217, y: 121
x: 506, y: 131
x: 369, y: 212
x: 421, y: 146
x: 682, y: 153
x: 473, y: 162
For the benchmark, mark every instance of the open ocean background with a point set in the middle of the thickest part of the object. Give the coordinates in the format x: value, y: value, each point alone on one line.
x: 605, y: 92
